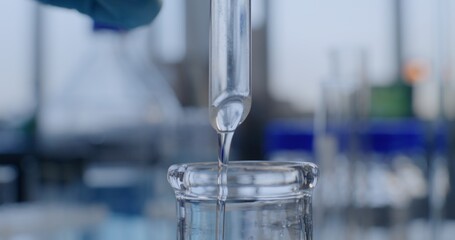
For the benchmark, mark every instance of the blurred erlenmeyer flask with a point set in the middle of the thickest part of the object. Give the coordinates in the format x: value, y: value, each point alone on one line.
x: 110, y: 102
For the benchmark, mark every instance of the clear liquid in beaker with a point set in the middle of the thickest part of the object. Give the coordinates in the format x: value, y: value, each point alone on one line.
x: 273, y: 219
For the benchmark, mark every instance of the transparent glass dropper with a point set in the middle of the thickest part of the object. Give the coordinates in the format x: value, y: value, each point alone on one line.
x: 230, y: 81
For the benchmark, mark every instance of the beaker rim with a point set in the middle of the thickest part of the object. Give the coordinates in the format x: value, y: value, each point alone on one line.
x: 246, y: 180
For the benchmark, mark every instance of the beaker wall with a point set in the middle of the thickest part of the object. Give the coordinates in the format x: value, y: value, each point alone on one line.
x: 249, y: 220
x: 265, y: 201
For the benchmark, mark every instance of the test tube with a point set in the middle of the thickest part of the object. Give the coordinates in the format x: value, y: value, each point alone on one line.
x: 230, y: 81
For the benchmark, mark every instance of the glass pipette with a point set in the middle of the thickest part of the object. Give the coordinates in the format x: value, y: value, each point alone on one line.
x: 230, y: 82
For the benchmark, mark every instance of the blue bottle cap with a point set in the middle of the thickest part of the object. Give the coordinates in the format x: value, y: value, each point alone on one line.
x: 288, y: 135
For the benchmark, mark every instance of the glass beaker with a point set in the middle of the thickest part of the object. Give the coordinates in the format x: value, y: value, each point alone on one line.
x: 266, y: 200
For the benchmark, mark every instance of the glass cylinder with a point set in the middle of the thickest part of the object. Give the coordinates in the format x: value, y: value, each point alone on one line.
x: 230, y: 60
x: 339, y: 120
x: 392, y: 195
x: 266, y: 200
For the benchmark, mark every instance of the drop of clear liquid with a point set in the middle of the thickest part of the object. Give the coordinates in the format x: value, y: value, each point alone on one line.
x: 226, y: 114
x: 224, y: 141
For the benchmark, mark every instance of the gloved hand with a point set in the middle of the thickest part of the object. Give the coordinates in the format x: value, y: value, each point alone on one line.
x: 120, y: 13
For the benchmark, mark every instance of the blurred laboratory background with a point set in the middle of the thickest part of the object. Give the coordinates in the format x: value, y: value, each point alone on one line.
x: 91, y: 116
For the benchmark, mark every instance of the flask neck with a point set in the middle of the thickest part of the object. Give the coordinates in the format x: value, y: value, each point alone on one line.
x: 107, y: 43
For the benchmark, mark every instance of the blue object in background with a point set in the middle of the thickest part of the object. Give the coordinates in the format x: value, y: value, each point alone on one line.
x: 124, y: 14
x: 391, y: 136
x: 97, y: 26
x: 286, y: 139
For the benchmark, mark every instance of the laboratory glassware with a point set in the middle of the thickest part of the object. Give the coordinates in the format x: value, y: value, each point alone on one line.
x: 440, y: 181
x: 266, y: 201
x: 109, y: 117
x: 440, y: 151
x: 108, y: 106
x: 392, y: 192
x: 339, y: 119
x: 230, y: 85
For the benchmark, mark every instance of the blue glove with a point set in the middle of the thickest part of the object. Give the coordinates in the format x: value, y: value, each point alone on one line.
x: 120, y: 13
